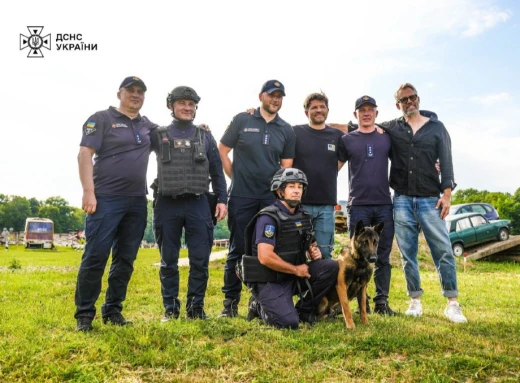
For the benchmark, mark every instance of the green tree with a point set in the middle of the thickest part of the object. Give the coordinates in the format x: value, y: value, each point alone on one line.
x: 148, y: 232
x: 221, y: 230
x: 14, y: 211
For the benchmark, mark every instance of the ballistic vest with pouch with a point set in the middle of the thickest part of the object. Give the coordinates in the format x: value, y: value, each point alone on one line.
x: 183, y: 167
x: 294, y: 233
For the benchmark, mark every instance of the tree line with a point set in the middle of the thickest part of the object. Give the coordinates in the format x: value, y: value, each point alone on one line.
x: 15, y: 209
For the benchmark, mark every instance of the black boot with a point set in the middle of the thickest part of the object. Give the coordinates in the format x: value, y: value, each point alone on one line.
x: 196, y: 312
x: 252, y: 311
x: 230, y: 309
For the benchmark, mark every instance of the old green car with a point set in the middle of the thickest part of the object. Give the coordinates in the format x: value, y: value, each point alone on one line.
x: 473, y: 228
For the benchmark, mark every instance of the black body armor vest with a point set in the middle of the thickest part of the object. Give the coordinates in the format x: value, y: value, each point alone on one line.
x: 183, y: 167
x: 292, y: 239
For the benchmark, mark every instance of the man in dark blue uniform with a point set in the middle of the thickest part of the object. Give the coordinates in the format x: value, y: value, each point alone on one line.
x: 114, y: 198
x: 187, y: 159
x: 317, y: 156
x: 367, y: 153
x: 277, y: 268
x: 261, y: 143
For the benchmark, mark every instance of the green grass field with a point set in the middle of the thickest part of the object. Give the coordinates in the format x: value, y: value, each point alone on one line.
x: 38, y: 341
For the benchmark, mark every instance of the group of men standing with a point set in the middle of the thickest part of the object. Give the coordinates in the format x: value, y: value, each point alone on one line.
x: 113, y: 159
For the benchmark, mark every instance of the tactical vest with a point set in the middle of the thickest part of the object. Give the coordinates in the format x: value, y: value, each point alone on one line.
x: 183, y: 167
x: 292, y: 239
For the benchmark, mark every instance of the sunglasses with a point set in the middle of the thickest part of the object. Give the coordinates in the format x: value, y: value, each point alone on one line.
x: 404, y: 100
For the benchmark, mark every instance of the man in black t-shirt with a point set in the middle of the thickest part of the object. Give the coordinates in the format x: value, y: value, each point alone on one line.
x: 114, y: 198
x: 261, y: 144
x: 317, y: 156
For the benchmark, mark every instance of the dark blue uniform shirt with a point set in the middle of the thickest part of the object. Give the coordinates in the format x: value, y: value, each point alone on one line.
x: 122, y: 148
x: 258, y: 148
x: 367, y: 155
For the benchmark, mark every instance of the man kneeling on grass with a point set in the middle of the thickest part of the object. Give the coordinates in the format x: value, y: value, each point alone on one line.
x: 279, y: 239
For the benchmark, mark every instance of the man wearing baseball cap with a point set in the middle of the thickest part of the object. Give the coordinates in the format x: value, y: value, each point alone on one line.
x: 113, y: 159
x: 369, y: 201
x: 262, y: 143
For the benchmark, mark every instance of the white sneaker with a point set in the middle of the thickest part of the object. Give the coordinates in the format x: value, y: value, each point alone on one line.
x: 454, y: 313
x: 415, y: 308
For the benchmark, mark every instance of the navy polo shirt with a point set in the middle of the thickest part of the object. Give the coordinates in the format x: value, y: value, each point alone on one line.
x: 367, y: 155
x: 182, y: 129
x: 122, y: 148
x: 258, y: 147
x: 317, y: 157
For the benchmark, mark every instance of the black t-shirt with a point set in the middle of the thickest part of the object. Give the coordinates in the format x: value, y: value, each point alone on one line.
x: 317, y: 157
x: 367, y: 155
x: 258, y: 148
x: 122, y: 148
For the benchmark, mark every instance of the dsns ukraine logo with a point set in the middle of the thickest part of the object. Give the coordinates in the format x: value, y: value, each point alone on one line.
x: 35, y: 42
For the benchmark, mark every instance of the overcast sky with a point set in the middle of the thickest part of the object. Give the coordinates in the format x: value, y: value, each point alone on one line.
x: 463, y: 57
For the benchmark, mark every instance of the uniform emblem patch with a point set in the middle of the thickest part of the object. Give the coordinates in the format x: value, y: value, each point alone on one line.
x: 331, y: 147
x: 298, y: 223
x: 90, y: 128
x: 268, y: 231
x: 251, y: 130
x: 119, y: 126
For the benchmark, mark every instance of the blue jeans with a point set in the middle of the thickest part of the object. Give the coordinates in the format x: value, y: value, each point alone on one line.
x: 323, y: 223
x: 372, y: 215
x: 410, y: 215
x: 118, y: 226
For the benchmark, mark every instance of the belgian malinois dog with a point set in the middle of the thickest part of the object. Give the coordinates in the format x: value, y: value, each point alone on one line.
x: 355, y: 270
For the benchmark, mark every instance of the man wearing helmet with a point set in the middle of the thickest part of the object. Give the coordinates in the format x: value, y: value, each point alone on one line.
x: 279, y: 239
x: 187, y: 160
x: 261, y: 144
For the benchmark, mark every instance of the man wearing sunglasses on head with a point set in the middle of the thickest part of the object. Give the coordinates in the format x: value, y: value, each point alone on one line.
x: 419, y: 139
x: 113, y: 160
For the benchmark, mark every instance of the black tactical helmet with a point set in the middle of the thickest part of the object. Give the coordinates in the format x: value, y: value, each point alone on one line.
x: 182, y: 92
x: 286, y: 175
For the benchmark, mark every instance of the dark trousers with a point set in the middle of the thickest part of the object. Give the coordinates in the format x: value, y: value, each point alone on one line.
x: 276, y: 306
x: 171, y: 216
x: 118, y: 225
x: 372, y: 215
x: 240, y: 212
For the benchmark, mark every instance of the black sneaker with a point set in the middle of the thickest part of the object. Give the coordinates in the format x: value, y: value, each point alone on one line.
x: 196, y: 312
x: 84, y: 324
x: 307, y: 317
x: 384, y: 309
x: 230, y: 309
x: 116, y: 319
x: 170, y: 314
x: 252, y: 311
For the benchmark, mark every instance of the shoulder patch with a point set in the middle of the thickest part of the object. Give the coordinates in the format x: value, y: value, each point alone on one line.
x: 331, y: 147
x: 268, y: 231
x: 90, y: 128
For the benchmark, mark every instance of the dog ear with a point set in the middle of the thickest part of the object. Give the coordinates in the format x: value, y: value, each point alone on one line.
x: 379, y: 228
x: 360, y: 227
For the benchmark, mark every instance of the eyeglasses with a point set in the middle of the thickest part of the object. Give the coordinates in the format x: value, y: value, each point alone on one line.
x: 404, y: 100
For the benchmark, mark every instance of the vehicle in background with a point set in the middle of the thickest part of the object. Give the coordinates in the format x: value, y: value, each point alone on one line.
x: 471, y: 229
x: 39, y: 233
x: 486, y: 209
x: 340, y: 217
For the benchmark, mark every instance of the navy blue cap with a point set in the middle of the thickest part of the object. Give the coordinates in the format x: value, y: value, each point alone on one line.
x: 365, y: 100
x: 129, y: 81
x: 272, y: 86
